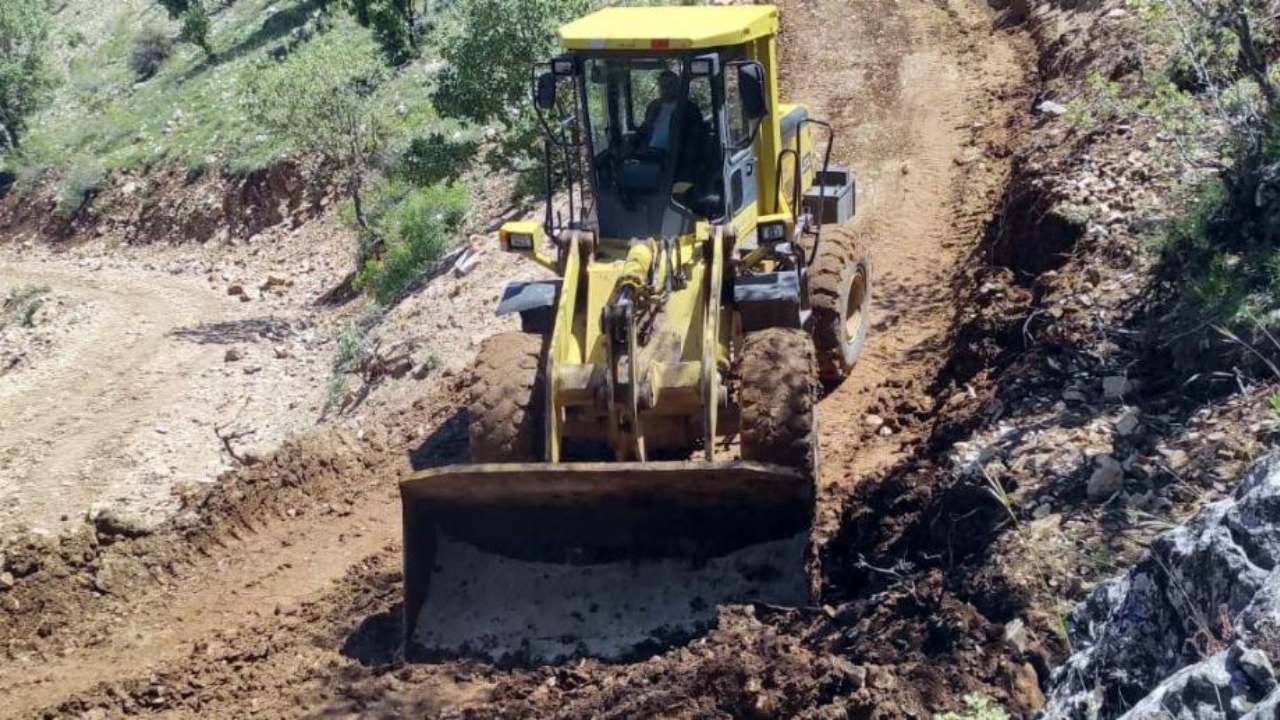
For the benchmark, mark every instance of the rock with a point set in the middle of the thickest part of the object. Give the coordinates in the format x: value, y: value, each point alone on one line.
x: 1116, y: 387
x: 1128, y: 424
x: 1042, y: 511
x: 1150, y: 643
x: 114, y: 522
x: 233, y: 355
x: 237, y: 290
x: 1049, y: 107
x: 1106, y: 480
x: 281, y: 352
x: 1023, y: 686
x: 1015, y: 634
x: 875, y: 422
x: 465, y: 263
x: 854, y: 675
x: 1073, y: 395
x: 1257, y: 667
x: 6, y: 581
x: 275, y: 282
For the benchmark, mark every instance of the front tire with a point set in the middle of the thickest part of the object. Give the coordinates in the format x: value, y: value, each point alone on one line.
x: 508, y: 400
x: 777, y: 372
x: 840, y: 286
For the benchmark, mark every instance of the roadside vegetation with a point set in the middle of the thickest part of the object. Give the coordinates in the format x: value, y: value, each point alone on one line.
x: 396, y: 99
x: 1208, y: 84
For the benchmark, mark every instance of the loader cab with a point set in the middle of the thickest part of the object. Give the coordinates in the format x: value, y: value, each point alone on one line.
x: 668, y: 136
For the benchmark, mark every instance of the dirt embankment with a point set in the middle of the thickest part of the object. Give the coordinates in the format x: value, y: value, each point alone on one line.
x: 172, y: 205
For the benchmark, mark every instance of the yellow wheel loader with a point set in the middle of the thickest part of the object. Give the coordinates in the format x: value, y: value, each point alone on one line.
x: 645, y: 449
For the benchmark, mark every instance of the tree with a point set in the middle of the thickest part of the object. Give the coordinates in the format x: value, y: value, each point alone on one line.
x: 194, y: 19
x: 488, y: 62
x: 195, y: 26
x: 394, y: 24
x: 1237, y: 16
x: 25, y: 77
x: 322, y: 98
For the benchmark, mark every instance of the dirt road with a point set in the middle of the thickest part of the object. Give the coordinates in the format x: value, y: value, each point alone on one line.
x: 124, y: 404
x: 294, y: 613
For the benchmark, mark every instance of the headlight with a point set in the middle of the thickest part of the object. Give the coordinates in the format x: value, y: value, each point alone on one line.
x: 520, y: 241
x: 773, y: 232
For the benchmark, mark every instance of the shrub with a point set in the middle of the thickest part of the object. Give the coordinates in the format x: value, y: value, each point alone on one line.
x: 416, y: 233
x: 79, y: 184
x: 393, y: 24
x: 195, y: 26
x: 977, y: 707
x: 22, y: 303
x: 322, y: 99
x: 150, y: 49
x: 1220, y: 265
x: 435, y: 158
x: 25, y: 77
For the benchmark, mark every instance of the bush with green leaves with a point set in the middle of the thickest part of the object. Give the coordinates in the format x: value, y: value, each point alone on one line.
x: 488, y: 56
x: 80, y: 183
x: 394, y: 25
x: 323, y: 98
x: 435, y: 158
x: 415, y: 233
x: 1220, y: 266
x: 150, y: 49
x: 195, y: 26
x: 26, y: 80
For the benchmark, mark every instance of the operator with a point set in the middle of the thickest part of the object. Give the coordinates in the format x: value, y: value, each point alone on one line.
x: 658, y: 128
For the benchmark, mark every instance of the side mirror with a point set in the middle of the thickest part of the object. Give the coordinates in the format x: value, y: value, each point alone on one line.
x: 545, y: 94
x: 751, y: 85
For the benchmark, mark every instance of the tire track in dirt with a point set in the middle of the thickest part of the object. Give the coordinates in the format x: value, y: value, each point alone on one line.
x: 301, y: 621
x: 914, y: 98
x: 118, y: 369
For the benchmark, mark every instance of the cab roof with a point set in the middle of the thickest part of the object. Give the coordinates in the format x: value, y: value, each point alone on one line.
x: 673, y: 28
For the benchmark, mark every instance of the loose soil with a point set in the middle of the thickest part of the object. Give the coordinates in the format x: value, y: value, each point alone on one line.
x: 274, y: 592
x: 126, y: 402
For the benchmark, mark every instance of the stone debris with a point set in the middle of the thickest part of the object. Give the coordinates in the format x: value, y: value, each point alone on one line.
x: 1107, y: 479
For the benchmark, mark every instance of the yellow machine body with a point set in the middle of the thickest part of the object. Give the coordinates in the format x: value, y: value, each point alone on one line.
x: 635, y: 501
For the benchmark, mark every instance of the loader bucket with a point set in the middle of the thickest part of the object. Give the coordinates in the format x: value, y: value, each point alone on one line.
x: 532, y: 564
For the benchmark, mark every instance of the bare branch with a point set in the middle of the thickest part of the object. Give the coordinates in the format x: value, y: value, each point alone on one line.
x: 228, y: 438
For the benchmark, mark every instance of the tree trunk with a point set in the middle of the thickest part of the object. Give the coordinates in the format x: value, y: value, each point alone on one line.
x: 359, y: 205
x: 1256, y: 66
x: 9, y: 137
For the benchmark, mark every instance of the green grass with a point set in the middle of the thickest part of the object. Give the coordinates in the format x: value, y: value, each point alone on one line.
x: 193, y: 111
x: 417, y: 228
x: 346, y: 359
x: 977, y: 707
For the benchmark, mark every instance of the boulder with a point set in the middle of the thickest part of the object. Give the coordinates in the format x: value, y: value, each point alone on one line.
x: 1107, y: 479
x: 1193, y: 630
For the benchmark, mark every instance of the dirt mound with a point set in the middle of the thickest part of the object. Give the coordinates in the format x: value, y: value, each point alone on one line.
x: 53, y: 584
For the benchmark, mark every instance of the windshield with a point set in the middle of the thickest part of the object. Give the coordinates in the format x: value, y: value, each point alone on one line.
x: 652, y: 136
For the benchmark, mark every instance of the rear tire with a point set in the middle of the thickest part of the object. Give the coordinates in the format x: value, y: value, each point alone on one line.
x: 508, y: 400
x: 777, y: 372
x: 840, y: 286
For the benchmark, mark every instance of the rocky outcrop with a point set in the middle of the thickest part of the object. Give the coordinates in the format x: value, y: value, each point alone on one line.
x: 1194, y: 629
